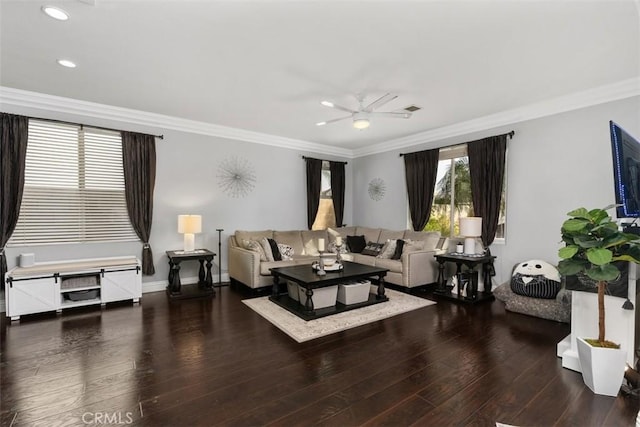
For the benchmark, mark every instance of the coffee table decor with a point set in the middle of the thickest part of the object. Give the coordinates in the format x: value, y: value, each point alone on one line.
x: 309, y: 281
x: 301, y: 330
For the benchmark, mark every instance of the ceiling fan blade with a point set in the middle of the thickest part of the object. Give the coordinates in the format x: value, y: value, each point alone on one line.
x: 332, y: 121
x: 391, y: 115
x: 337, y: 107
x: 380, y: 102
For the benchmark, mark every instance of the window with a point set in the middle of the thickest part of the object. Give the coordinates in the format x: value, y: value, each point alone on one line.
x: 326, y: 216
x: 74, y: 187
x: 452, y: 197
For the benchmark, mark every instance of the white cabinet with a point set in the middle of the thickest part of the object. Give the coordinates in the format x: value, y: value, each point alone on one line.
x: 118, y: 286
x: 59, y: 285
x: 31, y: 296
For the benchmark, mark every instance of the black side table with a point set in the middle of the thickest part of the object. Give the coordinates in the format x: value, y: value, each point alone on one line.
x: 204, y: 288
x: 470, y: 262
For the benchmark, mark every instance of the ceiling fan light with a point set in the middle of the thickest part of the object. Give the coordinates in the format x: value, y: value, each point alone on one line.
x: 361, y: 123
x: 55, y: 13
x: 67, y: 63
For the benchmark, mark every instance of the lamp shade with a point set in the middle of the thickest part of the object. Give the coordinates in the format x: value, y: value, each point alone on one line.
x: 189, y: 224
x: 471, y: 226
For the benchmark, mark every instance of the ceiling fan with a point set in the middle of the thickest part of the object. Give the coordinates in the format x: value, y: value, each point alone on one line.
x: 361, y: 117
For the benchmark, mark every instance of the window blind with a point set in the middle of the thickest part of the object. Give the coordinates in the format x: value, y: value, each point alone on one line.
x: 74, y: 187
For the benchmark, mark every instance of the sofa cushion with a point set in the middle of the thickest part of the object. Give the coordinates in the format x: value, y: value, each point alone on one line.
x: 370, y: 234
x: 266, y: 247
x: 364, y: 259
x: 372, y: 249
x: 252, y: 235
x: 391, y: 264
x: 390, y: 235
x: 413, y: 245
x: 265, y: 266
x: 310, y: 240
x: 346, y: 231
x: 292, y: 238
x: 431, y: 237
x: 356, y: 244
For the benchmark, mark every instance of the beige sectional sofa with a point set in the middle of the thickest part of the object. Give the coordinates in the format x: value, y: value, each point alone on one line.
x: 414, y: 268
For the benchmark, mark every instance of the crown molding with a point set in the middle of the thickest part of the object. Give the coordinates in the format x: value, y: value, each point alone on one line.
x: 23, y: 98
x: 599, y: 95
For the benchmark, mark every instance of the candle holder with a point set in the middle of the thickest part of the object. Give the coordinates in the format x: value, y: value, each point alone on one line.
x: 321, y: 271
x: 338, y: 253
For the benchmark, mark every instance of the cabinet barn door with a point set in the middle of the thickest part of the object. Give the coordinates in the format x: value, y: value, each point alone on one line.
x: 32, y: 296
x: 121, y: 285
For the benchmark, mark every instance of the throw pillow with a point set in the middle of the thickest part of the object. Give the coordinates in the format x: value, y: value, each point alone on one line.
x: 274, y: 250
x: 356, y: 244
x: 286, y: 251
x: 266, y: 247
x: 254, y: 246
x: 536, y: 279
x: 372, y: 249
x: 388, y: 249
x: 399, y: 246
x: 333, y: 248
x: 413, y: 246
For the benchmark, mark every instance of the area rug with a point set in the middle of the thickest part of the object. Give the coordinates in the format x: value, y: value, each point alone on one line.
x: 302, y: 331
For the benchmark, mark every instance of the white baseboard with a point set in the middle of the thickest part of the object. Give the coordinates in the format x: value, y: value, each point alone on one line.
x: 157, y: 286
x: 161, y: 285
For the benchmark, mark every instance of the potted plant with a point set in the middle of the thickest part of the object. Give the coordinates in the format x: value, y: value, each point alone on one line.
x: 594, y: 246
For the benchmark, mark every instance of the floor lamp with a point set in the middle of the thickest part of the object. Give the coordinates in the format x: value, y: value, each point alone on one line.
x: 219, y: 230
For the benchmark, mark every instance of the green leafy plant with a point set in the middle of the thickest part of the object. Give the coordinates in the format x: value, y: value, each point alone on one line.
x: 593, y: 244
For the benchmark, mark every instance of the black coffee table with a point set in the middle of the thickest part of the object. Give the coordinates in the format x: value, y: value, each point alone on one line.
x: 305, y: 276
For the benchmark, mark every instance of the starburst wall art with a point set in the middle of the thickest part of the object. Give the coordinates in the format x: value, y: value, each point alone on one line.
x: 236, y: 177
x: 377, y: 189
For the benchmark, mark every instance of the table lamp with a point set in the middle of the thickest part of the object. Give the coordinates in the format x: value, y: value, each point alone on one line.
x: 189, y: 225
x: 470, y: 229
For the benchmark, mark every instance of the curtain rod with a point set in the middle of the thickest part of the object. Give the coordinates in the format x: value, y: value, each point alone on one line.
x: 509, y: 134
x: 82, y: 125
x: 305, y: 158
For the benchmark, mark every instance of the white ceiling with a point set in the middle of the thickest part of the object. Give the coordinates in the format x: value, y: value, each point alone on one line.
x: 264, y: 66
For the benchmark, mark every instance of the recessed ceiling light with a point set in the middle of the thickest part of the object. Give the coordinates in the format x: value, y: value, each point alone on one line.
x: 327, y: 103
x: 321, y: 123
x: 67, y: 63
x: 55, y: 13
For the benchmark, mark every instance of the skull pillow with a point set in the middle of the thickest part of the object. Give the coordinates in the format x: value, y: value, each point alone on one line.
x: 535, y: 278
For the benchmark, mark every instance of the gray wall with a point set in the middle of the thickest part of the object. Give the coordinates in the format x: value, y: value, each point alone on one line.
x: 186, y: 182
x: 555, y: 164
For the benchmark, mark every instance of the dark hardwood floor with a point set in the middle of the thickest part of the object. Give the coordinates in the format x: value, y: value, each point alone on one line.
x: 216, y: 362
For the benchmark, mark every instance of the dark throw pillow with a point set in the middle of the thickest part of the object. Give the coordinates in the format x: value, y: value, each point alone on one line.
x: 274, y: 249
x: 356, y: 244
x: 399, y: 246
x: 372, y: 249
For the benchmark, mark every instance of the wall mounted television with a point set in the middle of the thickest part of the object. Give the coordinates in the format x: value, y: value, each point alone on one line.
x: 626, y: 172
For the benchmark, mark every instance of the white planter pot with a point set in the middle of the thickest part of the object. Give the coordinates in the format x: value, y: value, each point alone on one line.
x: 602, y: 368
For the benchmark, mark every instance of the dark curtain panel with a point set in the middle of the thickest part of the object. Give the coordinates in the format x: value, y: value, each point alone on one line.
x: 486, y: 172
x: 421, y: 169
x: 139, y: 160
x: 14, y: 133
x: 314, y: 177
x: 337, y: 190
